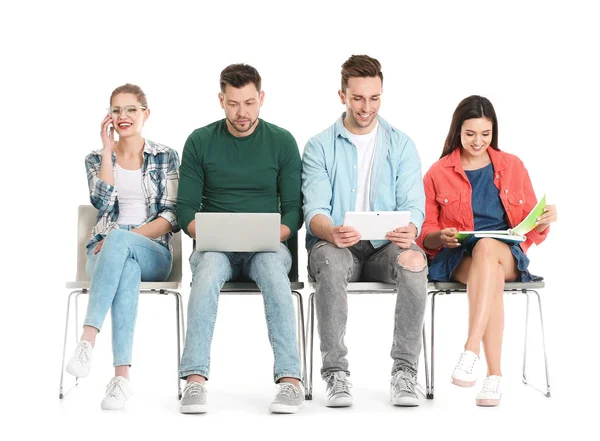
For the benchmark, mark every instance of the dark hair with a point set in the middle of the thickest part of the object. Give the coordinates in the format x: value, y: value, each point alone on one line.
x: 131, y: 88
x: 238, y: 75
x: 474, y: 106
x: 360, y: 66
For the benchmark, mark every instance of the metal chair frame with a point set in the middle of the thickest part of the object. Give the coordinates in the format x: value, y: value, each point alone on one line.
x: 527, y: 288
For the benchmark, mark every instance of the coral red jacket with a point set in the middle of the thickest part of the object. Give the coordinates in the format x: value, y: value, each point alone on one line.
x: 448, y: 196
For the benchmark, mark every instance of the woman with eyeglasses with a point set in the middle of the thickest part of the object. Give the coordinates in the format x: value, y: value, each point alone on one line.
x: 475, y: 186
x: 133, y: 184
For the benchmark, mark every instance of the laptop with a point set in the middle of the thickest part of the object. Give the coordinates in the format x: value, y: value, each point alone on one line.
x: 237, y: 232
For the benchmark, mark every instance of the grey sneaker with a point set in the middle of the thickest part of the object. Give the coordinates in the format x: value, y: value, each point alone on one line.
x: 338, y: 390
x: 194, y: 398
x: 288, y: 400
x: 402, y: 389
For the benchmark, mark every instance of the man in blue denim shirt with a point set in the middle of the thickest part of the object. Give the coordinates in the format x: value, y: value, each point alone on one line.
x: 362, y: 163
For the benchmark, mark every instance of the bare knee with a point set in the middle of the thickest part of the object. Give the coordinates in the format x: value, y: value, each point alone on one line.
x: 484, y: 246
x: 411, y: 260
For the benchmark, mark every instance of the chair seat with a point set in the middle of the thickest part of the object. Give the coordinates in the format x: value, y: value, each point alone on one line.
x: 252, y: 287
x: 508, y: 286
x: 373, y: 287
x: 143, y: 286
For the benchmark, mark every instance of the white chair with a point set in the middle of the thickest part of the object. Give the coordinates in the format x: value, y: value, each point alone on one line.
x: 526, y: 288
x: 81, y: 285
x: 353, y: 288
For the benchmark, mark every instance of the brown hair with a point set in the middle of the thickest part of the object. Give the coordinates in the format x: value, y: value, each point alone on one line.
x: 360, y: 66
x: 238, y: 75
x: 131, y: 88
x: 474, y: 106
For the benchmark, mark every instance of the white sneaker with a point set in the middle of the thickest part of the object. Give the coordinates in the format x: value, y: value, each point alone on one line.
x: 118, y: 391
x: 490, y: 392
x: 81, y: 361
x: 338, y: 390
x: 464, y: 373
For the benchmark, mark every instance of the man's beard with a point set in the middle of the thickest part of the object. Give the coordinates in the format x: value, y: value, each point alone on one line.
x: 236, y: 127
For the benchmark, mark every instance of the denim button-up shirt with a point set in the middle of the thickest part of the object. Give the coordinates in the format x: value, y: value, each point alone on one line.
x: 330, y: 176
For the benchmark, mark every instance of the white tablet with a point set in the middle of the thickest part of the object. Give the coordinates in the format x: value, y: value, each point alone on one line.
x: 374, y: 225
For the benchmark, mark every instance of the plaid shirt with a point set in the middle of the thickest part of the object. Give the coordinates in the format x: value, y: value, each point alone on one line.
x: 160, y: 179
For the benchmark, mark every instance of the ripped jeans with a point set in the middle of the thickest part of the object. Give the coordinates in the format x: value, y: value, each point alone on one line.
x: 332, y: 268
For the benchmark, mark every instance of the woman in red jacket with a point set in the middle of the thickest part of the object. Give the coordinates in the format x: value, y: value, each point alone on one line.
x: 474, y: 187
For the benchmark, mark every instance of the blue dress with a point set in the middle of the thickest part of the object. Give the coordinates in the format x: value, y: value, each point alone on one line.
x: 488, y: 214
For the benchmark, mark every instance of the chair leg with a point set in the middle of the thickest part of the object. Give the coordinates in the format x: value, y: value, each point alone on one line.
x: 547, y: 393
x: 310, y: 335
x: 430, y: 392
x: 526, y: 337
x: 425, y: 358
x: 61, y: 393
x: 301, y: 336
x: 180, y: 325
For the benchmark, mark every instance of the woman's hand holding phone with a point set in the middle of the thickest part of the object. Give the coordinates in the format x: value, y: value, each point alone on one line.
x: 107, y: 133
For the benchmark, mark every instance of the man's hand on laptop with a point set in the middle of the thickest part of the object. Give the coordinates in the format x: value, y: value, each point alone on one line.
x: 403, y: 236
x: 284, y: 232
x: 343, y: 237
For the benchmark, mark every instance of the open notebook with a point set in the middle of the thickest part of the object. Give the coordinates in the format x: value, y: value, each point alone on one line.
x: 512, y: 235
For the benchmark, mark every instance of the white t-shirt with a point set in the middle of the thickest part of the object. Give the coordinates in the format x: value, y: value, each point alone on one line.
x: 365, y: 148
x: 132, y: 202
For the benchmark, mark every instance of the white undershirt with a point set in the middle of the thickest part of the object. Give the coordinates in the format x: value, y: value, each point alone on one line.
x: 132, y: 203
x: 365, y: 148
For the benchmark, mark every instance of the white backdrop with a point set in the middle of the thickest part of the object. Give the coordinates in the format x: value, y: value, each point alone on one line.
x: 537, y: 63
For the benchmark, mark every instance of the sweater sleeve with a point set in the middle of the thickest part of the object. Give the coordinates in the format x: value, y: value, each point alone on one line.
x: 191, y: 184
x: 288, y: 186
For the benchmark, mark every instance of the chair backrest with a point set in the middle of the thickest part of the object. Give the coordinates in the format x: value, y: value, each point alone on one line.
x: 86, y: 219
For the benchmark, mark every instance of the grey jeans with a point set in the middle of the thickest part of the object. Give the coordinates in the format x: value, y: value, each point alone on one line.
x: 332, y: 268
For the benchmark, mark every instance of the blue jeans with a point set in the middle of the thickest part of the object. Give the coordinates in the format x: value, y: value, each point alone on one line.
x: 210, y: 270
x: 116, y: 272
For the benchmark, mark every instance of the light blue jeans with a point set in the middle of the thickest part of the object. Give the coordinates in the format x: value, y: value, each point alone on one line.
x: 210, y: 270
x: 125, y: 260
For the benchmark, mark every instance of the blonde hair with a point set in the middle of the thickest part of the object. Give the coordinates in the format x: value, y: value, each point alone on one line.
x: 133, y: 89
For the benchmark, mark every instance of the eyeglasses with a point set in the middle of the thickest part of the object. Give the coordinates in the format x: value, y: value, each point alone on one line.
x: 130, y: 111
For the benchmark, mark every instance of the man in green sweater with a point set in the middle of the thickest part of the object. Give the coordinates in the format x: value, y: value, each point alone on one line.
x: 241, y: 164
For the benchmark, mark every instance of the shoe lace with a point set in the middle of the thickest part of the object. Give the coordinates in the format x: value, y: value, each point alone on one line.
x: 404, y: 383
x: 490, y: 384
x: 82, y: 352
x: 114, y: 388
x: 338, y: 384
x: 194, y: 388
x: 467, y: 362
x: 287, y: 389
